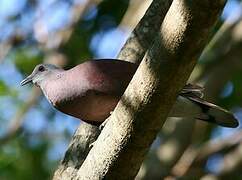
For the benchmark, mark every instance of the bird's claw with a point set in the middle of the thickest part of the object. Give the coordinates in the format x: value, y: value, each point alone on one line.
x: 103, y: 124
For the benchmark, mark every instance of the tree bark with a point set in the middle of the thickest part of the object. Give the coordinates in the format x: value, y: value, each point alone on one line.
x: 223, y: 50
x: 78, y: 149
x: 144, y: 33
x: 153, y: 16
x: 138, y: 117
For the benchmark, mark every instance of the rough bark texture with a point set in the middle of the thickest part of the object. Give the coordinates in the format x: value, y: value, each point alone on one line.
x: 126, y: 138
x: 143, y: 29
x: 144, y: 33
x: 228, y: 64
x: 223, y: 50
x: 78, y: 149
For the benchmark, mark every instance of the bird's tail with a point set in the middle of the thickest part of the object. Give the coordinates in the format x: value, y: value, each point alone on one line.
x: 214, y: 114
x: 208, y: 112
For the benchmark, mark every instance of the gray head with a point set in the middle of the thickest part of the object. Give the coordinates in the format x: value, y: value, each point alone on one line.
x: 40, y: 73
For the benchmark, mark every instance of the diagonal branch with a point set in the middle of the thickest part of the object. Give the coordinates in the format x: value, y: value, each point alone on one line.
x: 139, y: 115
x: 144, y: 33
x: 154, y: 15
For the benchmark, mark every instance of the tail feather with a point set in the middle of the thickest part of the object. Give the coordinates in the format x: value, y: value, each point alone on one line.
x: 192, y: 94
x: 214, y: 114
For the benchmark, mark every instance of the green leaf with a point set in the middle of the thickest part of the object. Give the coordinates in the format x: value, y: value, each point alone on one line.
x: 3, y: 89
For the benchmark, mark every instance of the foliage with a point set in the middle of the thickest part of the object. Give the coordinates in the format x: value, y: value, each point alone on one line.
x: 35, y: 152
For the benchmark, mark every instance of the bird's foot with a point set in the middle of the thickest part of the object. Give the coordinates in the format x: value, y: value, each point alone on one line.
x: 103, y: 124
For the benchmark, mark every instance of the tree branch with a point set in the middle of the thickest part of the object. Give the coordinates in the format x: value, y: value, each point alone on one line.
x: 162, y: 6
x: 222, y: 51
x: 77, y: 151
x: 144, y: 33
x: 139, y: 115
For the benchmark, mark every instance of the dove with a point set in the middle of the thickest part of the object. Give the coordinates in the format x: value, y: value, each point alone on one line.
x: 91, y: 90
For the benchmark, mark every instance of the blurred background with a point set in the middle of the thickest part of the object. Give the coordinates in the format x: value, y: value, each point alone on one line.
x: 34, y: 136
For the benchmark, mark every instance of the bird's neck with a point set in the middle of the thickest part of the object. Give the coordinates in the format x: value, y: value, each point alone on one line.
x: 51, y: 87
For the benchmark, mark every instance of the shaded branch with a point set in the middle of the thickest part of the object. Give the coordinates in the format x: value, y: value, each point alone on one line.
x: 216, y: 78
x: 144, y: 33
x: 134, y: 14
x: 77, y: 151
x: 139, y: 115
x: 63, y: 169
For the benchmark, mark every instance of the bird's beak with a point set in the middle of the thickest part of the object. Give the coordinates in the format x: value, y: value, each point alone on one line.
x: 27, y: 80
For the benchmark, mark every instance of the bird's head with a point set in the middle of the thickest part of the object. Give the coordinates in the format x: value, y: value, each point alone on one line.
x: 40, y: 73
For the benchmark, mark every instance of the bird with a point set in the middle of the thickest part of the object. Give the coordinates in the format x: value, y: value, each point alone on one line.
x: 91, y: 90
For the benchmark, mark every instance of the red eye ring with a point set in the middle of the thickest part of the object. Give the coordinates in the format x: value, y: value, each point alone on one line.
x: 41, y: 68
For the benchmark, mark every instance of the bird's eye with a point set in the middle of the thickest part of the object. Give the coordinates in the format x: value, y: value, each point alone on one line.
x: 41, y: 68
